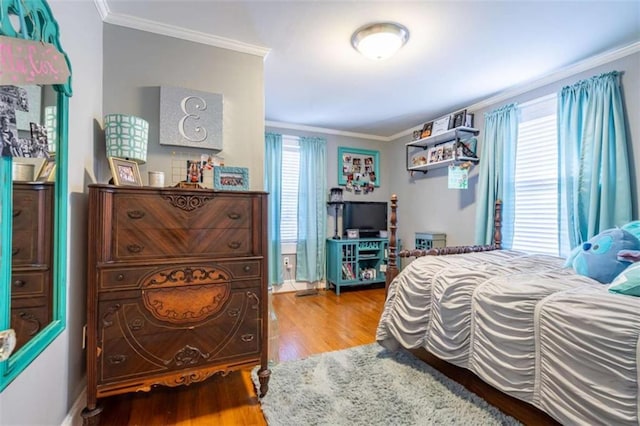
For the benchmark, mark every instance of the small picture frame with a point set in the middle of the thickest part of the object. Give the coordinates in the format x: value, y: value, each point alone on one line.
x: 353, y: 234
x: 47, y: 171
x: 125, y: 172
x: 459, y: 119
x: 427, y: 129
x: 194, y: 172
x: 441, y: 125
x: 231, y: 178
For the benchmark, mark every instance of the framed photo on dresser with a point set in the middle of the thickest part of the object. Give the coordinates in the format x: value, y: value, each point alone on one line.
x: 125, y: 172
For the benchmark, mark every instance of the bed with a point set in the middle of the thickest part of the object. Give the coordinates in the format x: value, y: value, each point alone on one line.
x: 523, y: 324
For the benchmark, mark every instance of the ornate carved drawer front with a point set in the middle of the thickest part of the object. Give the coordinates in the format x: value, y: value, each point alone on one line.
x: 138, y: 338
x: 29, y: 284
x: 27, y: 322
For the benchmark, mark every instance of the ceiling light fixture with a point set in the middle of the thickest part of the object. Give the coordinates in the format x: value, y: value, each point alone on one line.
x: 380, y: 40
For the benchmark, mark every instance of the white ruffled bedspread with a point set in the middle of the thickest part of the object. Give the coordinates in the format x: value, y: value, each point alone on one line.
x: 527, y: 326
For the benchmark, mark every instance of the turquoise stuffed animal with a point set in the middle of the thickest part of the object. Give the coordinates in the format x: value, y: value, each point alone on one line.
x: 606, y: 255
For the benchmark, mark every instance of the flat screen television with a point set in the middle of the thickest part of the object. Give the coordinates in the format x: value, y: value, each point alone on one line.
x: 368, y: 217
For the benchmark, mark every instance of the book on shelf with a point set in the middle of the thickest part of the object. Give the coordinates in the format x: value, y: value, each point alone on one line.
x: 347, y: 271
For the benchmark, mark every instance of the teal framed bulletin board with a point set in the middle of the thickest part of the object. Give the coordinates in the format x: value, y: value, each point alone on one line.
x: 358, y: 168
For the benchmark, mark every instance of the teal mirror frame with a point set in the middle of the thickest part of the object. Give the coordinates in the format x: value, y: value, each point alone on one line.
x: 40, y: 25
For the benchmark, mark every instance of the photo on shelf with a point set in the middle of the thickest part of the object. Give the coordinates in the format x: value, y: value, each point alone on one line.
x: 447, y: 150
x: 419, y: 159
x: 458, y: 119
x: 427, y: 130
x: 441, y: 125
x: 436, y: 154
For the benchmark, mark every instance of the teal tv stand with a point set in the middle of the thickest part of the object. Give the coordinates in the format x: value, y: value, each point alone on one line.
x: 354, y: 262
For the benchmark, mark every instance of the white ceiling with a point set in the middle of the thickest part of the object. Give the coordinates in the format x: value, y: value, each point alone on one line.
x: 458, y: 53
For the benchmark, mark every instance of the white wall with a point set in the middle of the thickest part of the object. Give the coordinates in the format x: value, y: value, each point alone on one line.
x: 45, y: 391
x: 424, y: 201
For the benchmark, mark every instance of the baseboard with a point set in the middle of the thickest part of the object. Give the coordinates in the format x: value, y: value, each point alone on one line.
x: 74, y: 416
x: 293, y: 286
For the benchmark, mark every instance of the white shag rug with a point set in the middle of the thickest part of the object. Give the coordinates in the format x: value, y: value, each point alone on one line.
x: 369, y: 385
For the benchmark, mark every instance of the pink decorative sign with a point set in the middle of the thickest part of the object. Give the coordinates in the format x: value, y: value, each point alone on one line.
x: 31, y: 62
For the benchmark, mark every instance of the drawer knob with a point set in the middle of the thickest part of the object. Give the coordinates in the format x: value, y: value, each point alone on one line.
x: 19, y: 283
x: 136, y: 324
x: 234, y: 245
x: 17, y: 212
x: 234, y: 216
x: 120, y: 277
x: 246, y: 268
x: 116, y: 359
x: 247, y: 337
x: 135, y: 214
x: 134, y: 248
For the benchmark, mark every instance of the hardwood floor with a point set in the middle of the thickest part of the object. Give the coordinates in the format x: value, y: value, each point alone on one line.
x: 307, y: 325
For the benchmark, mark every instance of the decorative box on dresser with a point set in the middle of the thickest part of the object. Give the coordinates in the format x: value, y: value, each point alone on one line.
x: 31, y: 273
x: 177, y: 288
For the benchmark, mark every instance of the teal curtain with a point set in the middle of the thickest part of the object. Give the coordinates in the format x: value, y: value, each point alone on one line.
x: 312, y: 216
x: 496, y: 175
x: 595, y: 181
x: 273, y: 185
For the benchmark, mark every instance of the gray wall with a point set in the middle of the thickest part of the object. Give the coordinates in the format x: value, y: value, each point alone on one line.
x: 137, y: 63
x: 44, y: 393
x: 424, y: 201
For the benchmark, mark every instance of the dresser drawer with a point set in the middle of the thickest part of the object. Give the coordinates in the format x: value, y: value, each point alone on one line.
x: 32, y: 224
x: 25, y: 210
x: 24, y: 247
x: 26, y: 284
x: 123, y: 278
x: 28, y: 321
x: 131, y: 278
x: 243, y: 269
x: 154, y: 211
x: 134, y: 243
x: 155, y: 243
x: 135, y: 343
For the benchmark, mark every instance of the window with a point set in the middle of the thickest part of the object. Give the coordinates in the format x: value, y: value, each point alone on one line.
x: 290, y: 173
x: 536, y: 179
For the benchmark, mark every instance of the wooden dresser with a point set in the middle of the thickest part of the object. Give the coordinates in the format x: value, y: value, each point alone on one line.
x: 177, y: 288
x: 31, y: 257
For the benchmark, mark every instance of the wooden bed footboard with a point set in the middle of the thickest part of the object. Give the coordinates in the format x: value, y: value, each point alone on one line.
x: 392, y: 267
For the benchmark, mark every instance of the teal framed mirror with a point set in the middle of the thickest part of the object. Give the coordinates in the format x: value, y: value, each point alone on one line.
x: 35, y: 87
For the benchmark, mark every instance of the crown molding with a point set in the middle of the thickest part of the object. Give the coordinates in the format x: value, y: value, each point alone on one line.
x: 325, y: 131
x: 103, y: 8
x: 501, y: 97
x: 555, y: 76
x: 177, y: 32
x: 552, y: 77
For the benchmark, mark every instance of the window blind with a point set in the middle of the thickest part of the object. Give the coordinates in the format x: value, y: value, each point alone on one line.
x: 536, y: 224
x: 290, y: 173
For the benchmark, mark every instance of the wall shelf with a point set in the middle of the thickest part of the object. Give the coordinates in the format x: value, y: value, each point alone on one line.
x: 441, y: 150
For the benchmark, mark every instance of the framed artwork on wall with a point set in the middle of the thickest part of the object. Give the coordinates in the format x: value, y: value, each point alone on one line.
x: 358, y: 167
x: 190, y: 118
